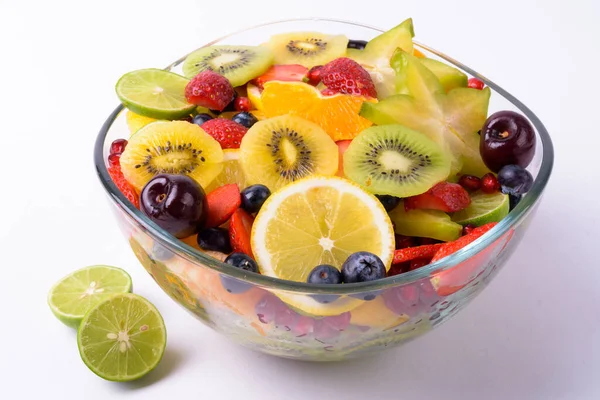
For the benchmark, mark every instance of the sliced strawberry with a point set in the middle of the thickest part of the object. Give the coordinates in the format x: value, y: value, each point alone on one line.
x: 342, y: 147
x: 209, y: 89
x: 444, y: 196
x: 228, y: 133
x: 403, y: 242
x: 397, y: 269
x: 451, y: 247
x: 413, y: 253
x: 419, y: 262
x: 288, y: 73
x: 222, y: 203
x: 128, y: 191
x: 344, y: 75
x: 240, y: 227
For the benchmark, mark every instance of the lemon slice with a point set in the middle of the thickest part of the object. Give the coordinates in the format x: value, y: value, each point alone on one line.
x: 232, y: 171
x: 319, y: 220
x: 136, y: 121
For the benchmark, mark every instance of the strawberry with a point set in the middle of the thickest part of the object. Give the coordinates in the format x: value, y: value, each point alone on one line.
x: 288, y: 73
x: 344, y: 75
x: 328, y: 92
x: 119, y: 180
x: 240, y: 227
x: 403, y: 242
x: 313, y: 77
x: 451, y: 247
x: 222, y: 203
x: 209, y: 89
x: 228, y: 133
x: 413, y: 253
x: 445, y: 196
x: 419, y: 262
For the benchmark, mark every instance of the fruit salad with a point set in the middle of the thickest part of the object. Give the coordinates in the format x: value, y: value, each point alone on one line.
x: 318, y: 159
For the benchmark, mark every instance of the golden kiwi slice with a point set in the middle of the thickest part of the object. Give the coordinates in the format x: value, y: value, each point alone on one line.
x: 307, y: 48
x: 171, y: 147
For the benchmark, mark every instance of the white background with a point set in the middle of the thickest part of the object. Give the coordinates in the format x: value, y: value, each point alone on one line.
x: 533, y: 334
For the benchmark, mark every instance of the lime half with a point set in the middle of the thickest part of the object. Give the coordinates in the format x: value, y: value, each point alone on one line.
x: 154, y: 93
x: 75, y: 294
x: 484, y: 208
x: 122, y: 338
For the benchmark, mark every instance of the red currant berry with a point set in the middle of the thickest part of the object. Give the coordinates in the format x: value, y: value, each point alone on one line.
x: 118, y: 146
x: 242, y: 104
x: 470, y: 182
x: 490, y: 184
x: 475, y: 83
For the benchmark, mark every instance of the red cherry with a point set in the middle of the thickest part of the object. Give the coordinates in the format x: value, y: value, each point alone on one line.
x: 242, y: 104
x: 475, y: 83
x: 114, y: 159
x: 489, y: 183
x: 118, y: 146
x: 470, y: 182
x: 313, y: 76
x: 468, y: 229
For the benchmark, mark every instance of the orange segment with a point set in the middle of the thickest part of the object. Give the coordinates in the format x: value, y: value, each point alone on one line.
x: 337, y: 115
x: 418, y: 53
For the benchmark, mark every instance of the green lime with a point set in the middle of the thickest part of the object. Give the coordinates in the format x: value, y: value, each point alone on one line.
x: 484, y: 208
x: 154, y: 93
x: 75, y: 294
x: 122, y: 338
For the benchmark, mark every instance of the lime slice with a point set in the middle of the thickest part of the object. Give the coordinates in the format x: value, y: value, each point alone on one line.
x: 154, y: 93
x: 122, y: 338
x: 75, y: 294
x: 484, y: 208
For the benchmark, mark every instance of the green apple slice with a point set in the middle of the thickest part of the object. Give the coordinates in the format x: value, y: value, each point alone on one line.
x: 425, y: 223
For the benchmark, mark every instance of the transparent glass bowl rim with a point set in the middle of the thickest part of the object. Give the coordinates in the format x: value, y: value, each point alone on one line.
x: 191, y: 254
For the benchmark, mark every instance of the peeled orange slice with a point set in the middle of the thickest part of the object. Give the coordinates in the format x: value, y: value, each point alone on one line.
x: 337, y: 115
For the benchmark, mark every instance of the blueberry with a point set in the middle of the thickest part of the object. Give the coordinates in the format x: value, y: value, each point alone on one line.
x: 201, y: 118
x: 362, y: 267
x: 513, y: 200
x: 514, y: 180
x: 253, y: 197
x: 326, y: 274
x: 389, y: 202
x: 245, y: 118
x: 215, y: 239
x: 241, y: 261
x: 367, y: 296
x: 357, y: 44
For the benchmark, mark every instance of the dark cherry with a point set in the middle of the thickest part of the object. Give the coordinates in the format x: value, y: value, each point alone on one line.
x: 357, y: 44
x: 470, y: 182
x: 176, y: 203
x: 489, y: 183
x: 118, y: 146
x: 507, y: 138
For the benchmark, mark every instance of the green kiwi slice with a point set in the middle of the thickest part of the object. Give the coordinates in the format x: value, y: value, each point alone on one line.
x: 395, y: 160
x: 307, y: 48
x: 239, y: 64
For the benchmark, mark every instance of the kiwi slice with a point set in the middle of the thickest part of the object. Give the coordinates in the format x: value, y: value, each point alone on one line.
x: 238, y: 64
x: 280, y: 150
x: 449, y: 77
x: 171, y: 147
x: 425, y: 223
x: 307, y: 48
x: 395, y: 160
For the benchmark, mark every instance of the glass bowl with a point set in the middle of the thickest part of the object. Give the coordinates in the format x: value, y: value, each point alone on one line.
x: 247, y: 308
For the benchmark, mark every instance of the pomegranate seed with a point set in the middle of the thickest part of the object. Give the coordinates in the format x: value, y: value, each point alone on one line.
x: 418, y: 263
x: 489, y: 183
x: 475, y: 83
x: 468, y: 229
x: 314, y: 75
x: 402, y: 242
x: 242, y: 104
x: 114, y: 159
x: 118, y: 146
x: 470, y: 182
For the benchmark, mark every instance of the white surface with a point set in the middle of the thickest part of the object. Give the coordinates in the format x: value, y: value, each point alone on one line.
x: 533, y: 334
